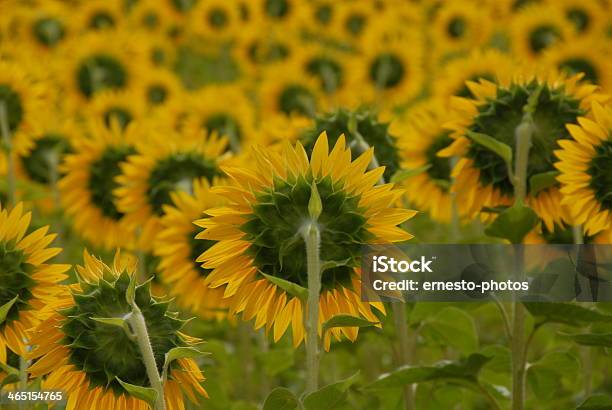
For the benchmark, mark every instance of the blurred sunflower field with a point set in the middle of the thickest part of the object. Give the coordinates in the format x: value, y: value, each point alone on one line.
x: 186, y: 187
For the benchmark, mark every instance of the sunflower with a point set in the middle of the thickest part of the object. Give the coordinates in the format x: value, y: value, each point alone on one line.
x: 536, y: 28
x: 89, y: 181
x: 422, y: 137
x: 48, y: 25
x: 353, y: 20
x: 258, y: 233
x: 459, y: 26
x: 319, y: 16
x: 585, y: 163
x: 216, y: 19
x: 486, y: 64
x: 497, y: 109
x: 159, y: 88
x: 177, y: 249
x: 164, y: 164
x: 52, y: 137
x: 234, y: 119
x: 99, y: 14
x: 388, y: 72
x: 587, y: 17
x: 255, y: 48
x: 326, y: 65
x: 284, y: 91
x: 28, y: 282
x: 120, y: 106
x: 368, y: 131
x: 582, y: 56
x: 102, y: 61
x: 86, y: 358
x: 153, y: 16
x: 281, y: 13
x: 21, y: 96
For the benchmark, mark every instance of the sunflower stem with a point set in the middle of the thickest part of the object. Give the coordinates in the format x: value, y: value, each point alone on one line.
x: 139, y: 326
x: 8, y: 144
x: 405, y: 347
x: 524, y: 133
x: 312, y: 238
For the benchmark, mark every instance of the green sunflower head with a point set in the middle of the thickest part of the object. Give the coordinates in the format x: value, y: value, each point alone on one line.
x: 15, y: 280
x: 499, y: 117
x: 357, y: 126
x: 274, y: 230
x: 106, y: 352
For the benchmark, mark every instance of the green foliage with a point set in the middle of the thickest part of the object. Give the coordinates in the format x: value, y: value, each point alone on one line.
x: 330, y: 396
x: 597, y: 402
x: 546, y: 376
x: 346, y: 321
x: 463, y: 372
x: 566, y: 313
x: 513, y: 223
x: 281, y: 399
x: 452, y: 327
x: 147, y: 394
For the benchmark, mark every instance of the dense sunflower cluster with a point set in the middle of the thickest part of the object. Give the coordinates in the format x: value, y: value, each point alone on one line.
x: 193, y: 134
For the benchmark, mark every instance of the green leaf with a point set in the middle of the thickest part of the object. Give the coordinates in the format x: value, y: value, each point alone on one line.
x: 591, y: 339
x: 545, y: 376
x: 334, y: 264
x: 181, y: 353
x: 8, y: 369
x: 490, y: 143
x: 147, y: 394
x: 314, y: 203
x: 403, y: 174
x: 597, y: 402
x: 346, y: 321
x: 453, y: 327
x: 289, y: 287
x: 281, y: 399
x: 541, y: 181
x: 4, y: 309
x: 330, y: 396
x: 514, y: 223
x: 10, y: 379
x: 461, y: 372
x: 566, y: 313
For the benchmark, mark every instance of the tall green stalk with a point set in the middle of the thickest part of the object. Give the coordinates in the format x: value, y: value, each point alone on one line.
x: 524, y: 134
x: 139, y: 326
x: 312, y: 238
x: 405, y: 347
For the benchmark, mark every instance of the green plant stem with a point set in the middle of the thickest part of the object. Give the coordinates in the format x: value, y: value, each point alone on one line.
x: 312, y: 238
x: 139, y: 326
x: 504, y: 315
x: 518, y: 342
x: 23, y: 379
x: 405, y: 347
x: 524, y: 133
x: 489, y: 396
x: 585, y: 351
x: 8, y: 144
